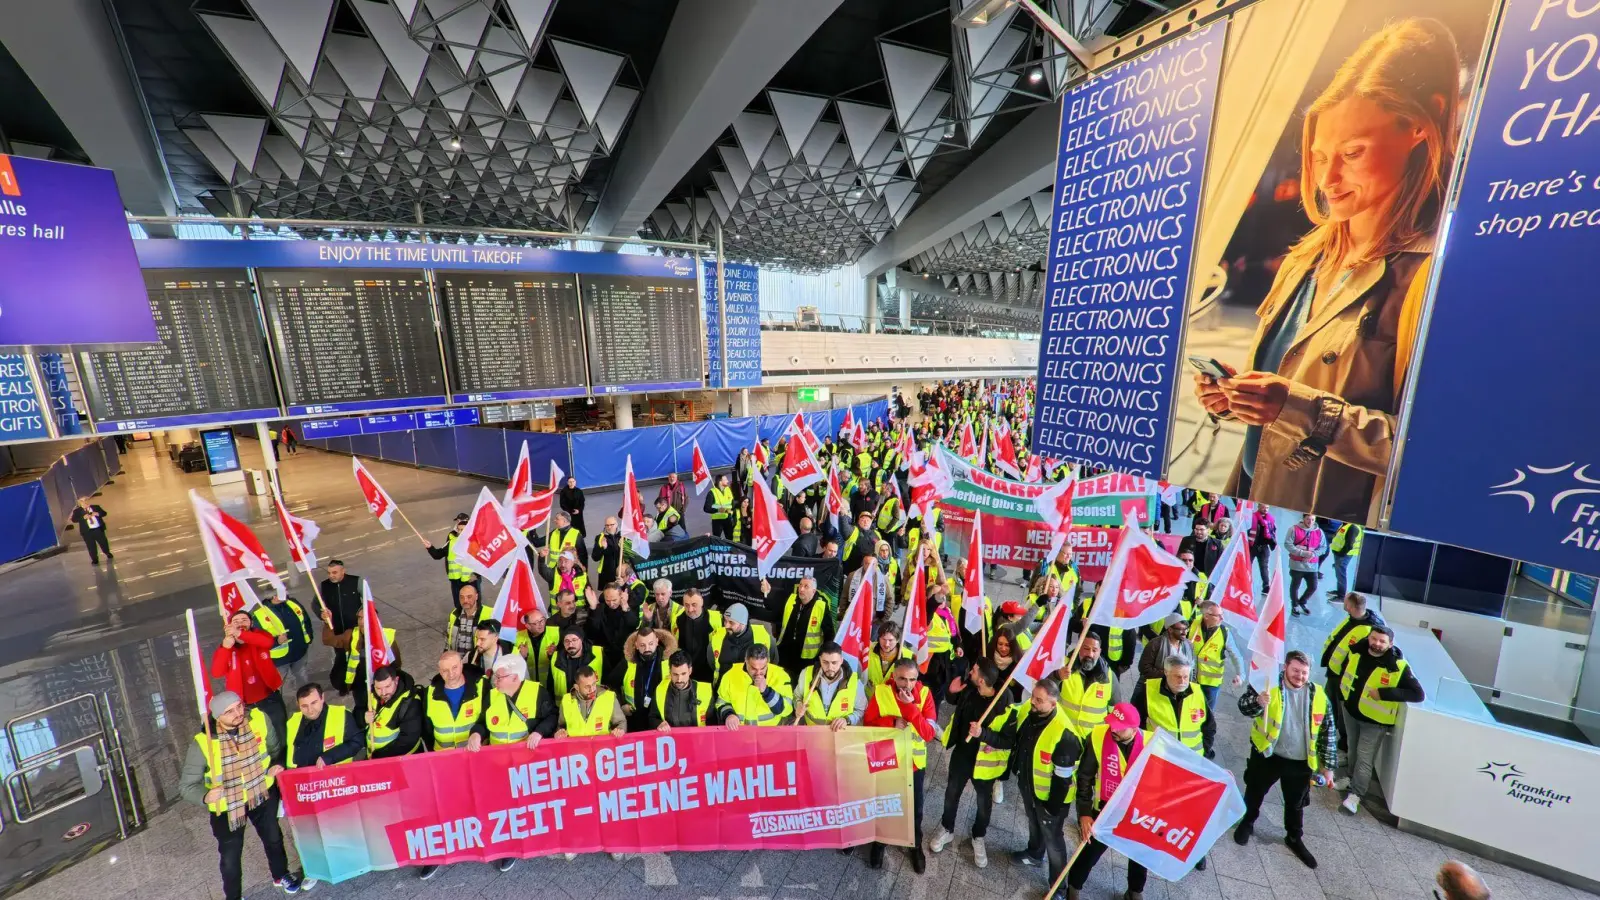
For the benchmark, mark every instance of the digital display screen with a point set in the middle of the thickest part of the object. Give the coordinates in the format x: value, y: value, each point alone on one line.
x: 644, y: 333
x: 512, y: 336
x: 222, y: 454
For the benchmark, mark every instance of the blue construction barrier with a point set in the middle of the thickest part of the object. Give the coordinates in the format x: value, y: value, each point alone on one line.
x: 33, y: 514
x: 595, y: 458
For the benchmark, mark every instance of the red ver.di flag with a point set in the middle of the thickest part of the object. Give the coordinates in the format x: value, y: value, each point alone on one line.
x: 519, y: 595
x: 771, y: 533
x: 378, y: 499
x: 1234, y: 585
x: 855, y: 628
x: 530, y: 509
x: 489, y: 543
x: 298, y: 532
x: 799, y: 470
x: 1048, y: 651
x: 1169, y: 809
x: 379, y: 653
x: 1268, y: 647
x: 1143, y: 584
x: 699, y: 471
x: 633, y: 526
x: 233, y: 551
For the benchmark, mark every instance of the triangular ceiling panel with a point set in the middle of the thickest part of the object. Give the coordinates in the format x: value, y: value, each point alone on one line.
x: 504, y: 67
x: 240, y: 134
x: 754, y: 131
x: 590, y: 73
x: 405, y: 56
x: 797, y: 114
x: 613, y: 113
x: 214, y: 151
x: 862, y: 123
x: 297, y: 27
x: 461, y: 25
x: 360, y: 64
x: 911, y: 73
x: 530, y: 17
x: 248, y: 44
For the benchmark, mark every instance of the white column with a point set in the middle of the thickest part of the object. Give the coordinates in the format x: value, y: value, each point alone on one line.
x: 269, y: 459
x: 622, y: 411
x: 744, y: 403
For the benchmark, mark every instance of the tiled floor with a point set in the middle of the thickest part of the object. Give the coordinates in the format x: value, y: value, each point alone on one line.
x: 64, y: 615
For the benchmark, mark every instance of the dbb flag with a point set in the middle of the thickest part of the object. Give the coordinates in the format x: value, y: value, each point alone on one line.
x: 490, y: 542
x: 699, y: 471
x: 1143, y: 584
x: 1170, y: 808
x: 378, y: 499
x: 519, y: 595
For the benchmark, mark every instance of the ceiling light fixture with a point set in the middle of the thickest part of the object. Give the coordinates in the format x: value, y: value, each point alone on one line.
x: 1035, y: 76
x: 455, y: 143
x: 978, y: 13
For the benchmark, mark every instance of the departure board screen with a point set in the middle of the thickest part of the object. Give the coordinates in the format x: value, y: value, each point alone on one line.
x: 353, y: 340
x: 512, y: 336
x: 210, y: 365
x: 644, y: 333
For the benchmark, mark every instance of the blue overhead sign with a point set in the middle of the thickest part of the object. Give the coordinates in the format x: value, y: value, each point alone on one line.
x: 735, y: 322
x: 22, y: 415
x: 411, y: 421
x: 1130, y: 170
x: 178, y: 254
x: 1502, y: 448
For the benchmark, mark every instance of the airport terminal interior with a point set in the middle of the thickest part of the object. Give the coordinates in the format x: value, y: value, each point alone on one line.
x: 1076, y: 342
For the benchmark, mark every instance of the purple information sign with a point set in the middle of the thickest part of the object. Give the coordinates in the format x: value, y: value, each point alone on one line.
x: 68, y: 270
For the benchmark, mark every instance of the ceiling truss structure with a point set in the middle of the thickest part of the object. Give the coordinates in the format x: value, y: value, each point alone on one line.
x: 437, y: 113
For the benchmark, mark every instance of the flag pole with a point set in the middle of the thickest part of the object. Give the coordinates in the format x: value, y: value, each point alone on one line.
x: 196, y: 668
x: 1083, y: 841
x: 366, y: 624
x: 407, y: 520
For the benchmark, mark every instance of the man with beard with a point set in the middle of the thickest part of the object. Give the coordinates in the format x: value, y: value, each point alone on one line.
x: 537, y: 642
x: 576, y: 655
x: 1086, y: 690
x: 607, y: 551
x: 394, y: 724
x: 646, y: 652
x: 970, y: 759
x: 693, y: 628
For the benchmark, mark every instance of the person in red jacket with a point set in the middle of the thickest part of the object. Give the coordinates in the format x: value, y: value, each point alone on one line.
x: 244, y: 663
x: 907, y: 703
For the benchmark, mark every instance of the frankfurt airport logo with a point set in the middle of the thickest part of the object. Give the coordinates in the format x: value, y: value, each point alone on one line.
x: 1564, y: 482
x: 679, y: 266
x: 1508, y: 776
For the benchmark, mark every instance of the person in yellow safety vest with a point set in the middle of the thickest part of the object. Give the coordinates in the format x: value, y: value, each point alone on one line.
x: 1376, y: 681
x: 916, y: 528
x: 905, y: 702
x: 355, y: 665
x: 1214, y: 648
x: 320, y: 735
x: 1358, y: 622
x: 829, y: 692
x: 453, y: 701
x: 757, y: 692
x: 537, y: 643
x: 395, y: 723
x: 1044, y: 754
x: 1121, y: 735
x: 887, y: 652
x: 806, y: 624
x: 740, y: 529
x: 860, y: 543
x: 290, y: 627
x: 458, y: 574
x: 561, y: 538
x: 644, y: 654
x: 461, y: 627
x: 1345, y: 546
x: 577, y: 653
x: 938, y: 650
x: 1173, y: 704
x: 669, y: 522
x: 662, y: 610
x: 1291, y: 740
x: 891, y: 516
x: 1086, y: 690
x: 1063, y: 570
x: 517, y: 711
x: 693, y: 628
x: 590, y: 709
x: 567, y: 575
x: 719, y: 504
x: 737, y: 637
x: 1013, y: 615
x: 685, y: 702
x: 228, y: 770
x: 1043, y: 595
x: 971, y: 760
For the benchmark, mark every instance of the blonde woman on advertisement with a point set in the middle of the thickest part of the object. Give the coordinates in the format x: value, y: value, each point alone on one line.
x: 1321, y: 388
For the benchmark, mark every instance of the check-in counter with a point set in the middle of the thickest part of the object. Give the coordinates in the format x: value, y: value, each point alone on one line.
x: 1454, y: 774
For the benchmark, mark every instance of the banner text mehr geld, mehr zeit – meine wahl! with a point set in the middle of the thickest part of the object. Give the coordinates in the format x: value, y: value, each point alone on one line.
x: 1131, y: 165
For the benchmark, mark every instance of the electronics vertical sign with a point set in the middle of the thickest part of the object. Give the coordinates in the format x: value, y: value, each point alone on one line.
x: 1130, y: 171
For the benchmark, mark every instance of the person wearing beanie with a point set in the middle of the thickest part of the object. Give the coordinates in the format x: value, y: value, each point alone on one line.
x: 735, y: 638
x: 1108, y: 753
x: 229, y: 771
x: 575, y: 655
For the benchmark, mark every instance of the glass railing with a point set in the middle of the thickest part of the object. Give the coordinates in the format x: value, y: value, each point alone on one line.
x: 789, y: 320
x: 1559, y: 721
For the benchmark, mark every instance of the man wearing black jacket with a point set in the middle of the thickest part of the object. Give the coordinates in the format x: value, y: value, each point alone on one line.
x: 1205, y: 548
x: 1376, y: 681
x: 340, y: 598
x: 607, y: 552
x: 90, y: 520
x: 394, y: 727
x: 1035, y: 732
x: 611, y: 621
x: 1348, y: 637
x: 965, y: 765
x: 321, y: 735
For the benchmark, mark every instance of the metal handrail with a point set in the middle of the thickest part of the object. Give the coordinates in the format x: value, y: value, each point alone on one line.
x: 102, y: 768
x: 11, y: 734
x: 107, y: 740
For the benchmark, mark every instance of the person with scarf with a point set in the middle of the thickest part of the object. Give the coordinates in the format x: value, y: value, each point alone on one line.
x: 646, y: 652
x: 228, y: 770
x: 244, y: 663
x: 1109, y: 752
x: 567, y: 575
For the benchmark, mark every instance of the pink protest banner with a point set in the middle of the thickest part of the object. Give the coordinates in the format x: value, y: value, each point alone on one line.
x: 754, y: 788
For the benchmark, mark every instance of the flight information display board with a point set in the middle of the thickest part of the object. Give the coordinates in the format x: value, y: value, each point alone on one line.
x: 515, y: 336
x: 353, y: 340
x: 644, y: 333
x: 209, y: 367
